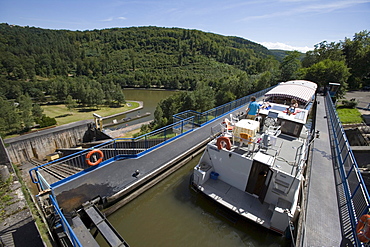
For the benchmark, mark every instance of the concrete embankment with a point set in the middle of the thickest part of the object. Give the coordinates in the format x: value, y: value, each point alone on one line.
x: 39, y: 144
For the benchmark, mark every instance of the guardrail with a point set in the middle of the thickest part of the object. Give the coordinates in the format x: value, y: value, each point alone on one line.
x: 201, y: 118
x: 64, y: 224
x: 354, y: 188
x: 50, y: 174
x: 47, y: 175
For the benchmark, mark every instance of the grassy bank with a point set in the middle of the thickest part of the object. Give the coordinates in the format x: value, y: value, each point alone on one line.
x: 65, y: 116
x: 349, y: 115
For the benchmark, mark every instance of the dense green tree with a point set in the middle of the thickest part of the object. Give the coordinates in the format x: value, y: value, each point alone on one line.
x: 290, y: 65
x: 70, y: 103
x: 25, y: 109
x: 322, y: 51
x: 93, y: 66
x: 187, y: 101
x: 9, y: 118
x: 159, y: 119
x: 327, y: 71
x: 37, y: 111
x: 357, y: 54
x: 204, y: 97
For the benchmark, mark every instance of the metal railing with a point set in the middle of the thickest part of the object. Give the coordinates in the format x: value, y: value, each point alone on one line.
x: 49, y: 175
x: 67, y: 229
x: 354, y: 188
x: 65, y: 168
x: 201, y: 118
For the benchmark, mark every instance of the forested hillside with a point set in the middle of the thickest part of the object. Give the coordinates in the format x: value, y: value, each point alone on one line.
x: 89, y: 68
x: 132, y: 57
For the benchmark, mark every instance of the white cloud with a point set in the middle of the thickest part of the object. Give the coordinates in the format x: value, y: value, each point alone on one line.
x: 113, y: 18
x: 282, y: 46
x: 108, y: 19
x: 316, y: 8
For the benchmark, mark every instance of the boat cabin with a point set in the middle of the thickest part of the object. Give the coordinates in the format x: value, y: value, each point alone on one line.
x: 256, y: 167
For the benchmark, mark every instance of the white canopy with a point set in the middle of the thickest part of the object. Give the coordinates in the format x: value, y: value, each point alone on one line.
x: 300, y: 90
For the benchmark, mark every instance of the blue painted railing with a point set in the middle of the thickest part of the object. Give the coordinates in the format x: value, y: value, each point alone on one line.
x: 122, y: 148
x: 64, y: 223
x: 201, y: 118
x: 116, y: 149
x: 354, y: 188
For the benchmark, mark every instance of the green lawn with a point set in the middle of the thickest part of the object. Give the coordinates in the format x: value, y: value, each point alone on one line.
x: 64, y: 116
x: 349, y: 115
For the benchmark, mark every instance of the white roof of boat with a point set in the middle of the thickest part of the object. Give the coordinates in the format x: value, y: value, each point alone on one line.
x: 301, y: 90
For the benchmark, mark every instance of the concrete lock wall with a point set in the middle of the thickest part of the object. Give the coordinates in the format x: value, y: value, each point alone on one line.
x: 41, y: 144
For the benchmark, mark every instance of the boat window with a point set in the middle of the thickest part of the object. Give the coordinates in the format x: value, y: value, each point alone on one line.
x: 291, y: 128
x: 278, y: 107
x: 273, y: 114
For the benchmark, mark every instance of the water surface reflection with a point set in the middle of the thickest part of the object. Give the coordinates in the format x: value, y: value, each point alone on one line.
x: 171, y: 214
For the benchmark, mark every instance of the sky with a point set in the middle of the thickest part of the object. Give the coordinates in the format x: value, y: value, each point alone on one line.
x: 276, y: 24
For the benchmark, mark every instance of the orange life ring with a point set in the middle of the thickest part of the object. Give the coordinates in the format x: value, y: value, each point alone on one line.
x: 223, y: 141
x: 363, y: 228
x: 95, y: 151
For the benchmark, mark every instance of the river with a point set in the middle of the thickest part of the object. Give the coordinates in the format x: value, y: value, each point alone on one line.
x: 171, y: 214
x: 150, y: 99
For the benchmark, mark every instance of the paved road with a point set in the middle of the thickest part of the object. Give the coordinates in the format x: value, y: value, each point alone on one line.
x: 119, y: 132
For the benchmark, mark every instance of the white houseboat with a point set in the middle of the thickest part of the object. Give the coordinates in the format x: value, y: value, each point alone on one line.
x: 256, y: 167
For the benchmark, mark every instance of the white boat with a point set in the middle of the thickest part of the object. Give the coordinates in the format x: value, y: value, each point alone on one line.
x: 256, y: 167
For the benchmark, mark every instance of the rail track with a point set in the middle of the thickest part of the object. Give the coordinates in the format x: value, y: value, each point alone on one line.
x: 55, y: 173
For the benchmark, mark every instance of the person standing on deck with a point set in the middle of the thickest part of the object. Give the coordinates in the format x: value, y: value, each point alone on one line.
x: 253, y: 109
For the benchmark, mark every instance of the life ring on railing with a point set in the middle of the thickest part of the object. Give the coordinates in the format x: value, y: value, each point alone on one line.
x: 223, y: 142
x: 363, y: 228
x: 98, y: 160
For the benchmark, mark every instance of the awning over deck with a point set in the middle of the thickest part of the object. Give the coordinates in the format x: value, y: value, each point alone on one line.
x: 300, y: 90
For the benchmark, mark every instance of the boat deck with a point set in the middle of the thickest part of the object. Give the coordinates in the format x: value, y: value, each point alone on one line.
x: 118, y: 178
x: 238, y: 201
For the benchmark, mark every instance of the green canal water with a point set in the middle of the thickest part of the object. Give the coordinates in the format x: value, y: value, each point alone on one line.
x: 171, y: 214
x: 150, y: 99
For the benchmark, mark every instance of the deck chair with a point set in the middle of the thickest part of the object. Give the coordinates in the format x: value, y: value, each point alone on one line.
x: 233, y: 119
x: 245, y: 139
x: 228, y: 124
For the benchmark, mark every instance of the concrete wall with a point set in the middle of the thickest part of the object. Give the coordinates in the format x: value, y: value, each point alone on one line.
x: 4, y: 158
x: 38, y: 145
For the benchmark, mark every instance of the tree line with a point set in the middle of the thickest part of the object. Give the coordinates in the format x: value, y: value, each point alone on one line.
x: 90, y: 68
x: 346, y: 62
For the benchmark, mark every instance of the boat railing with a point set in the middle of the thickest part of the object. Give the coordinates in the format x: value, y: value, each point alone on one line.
x: 54, y: 173
x: 356, y: 196
x: 201, y: 118
x: 74, y: 165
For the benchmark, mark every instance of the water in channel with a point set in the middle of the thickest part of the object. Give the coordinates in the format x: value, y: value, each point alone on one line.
x: 171, y: 214
x: 150, y: 99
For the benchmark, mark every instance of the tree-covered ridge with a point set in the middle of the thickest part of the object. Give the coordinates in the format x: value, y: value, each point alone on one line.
x: 28, y: 51
x: 89, y: 68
